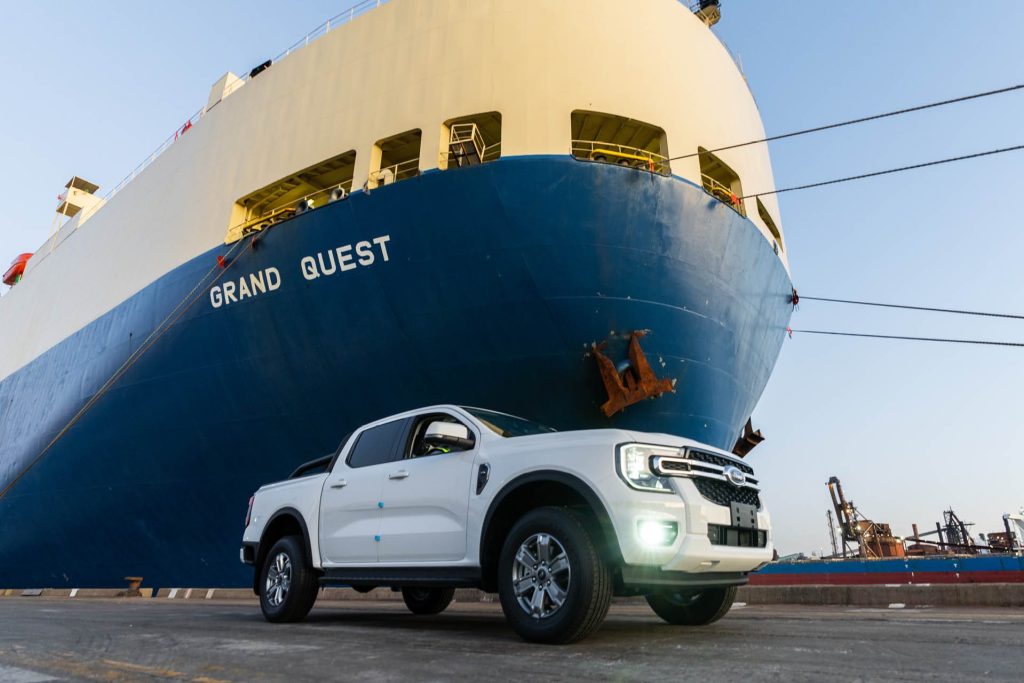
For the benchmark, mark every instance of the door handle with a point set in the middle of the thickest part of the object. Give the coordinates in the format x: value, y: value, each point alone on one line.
x: 400, y: 474
x: 340, y: 484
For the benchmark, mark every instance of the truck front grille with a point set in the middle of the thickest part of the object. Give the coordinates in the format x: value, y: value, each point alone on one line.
x: 703, y: 456
x: 724, y: 493
x: 711, y: 474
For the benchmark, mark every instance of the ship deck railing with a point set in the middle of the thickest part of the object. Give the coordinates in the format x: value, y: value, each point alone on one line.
x: 492, y: 152
x: 323, y: 29
x: 723, y: 193
x: 621, y: 155
x: 392, y: 173
x: 263, y: 220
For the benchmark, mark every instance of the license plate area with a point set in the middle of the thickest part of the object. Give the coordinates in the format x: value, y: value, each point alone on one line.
x: 743, y: 516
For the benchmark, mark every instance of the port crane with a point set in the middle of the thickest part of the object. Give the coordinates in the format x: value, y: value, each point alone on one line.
x: 873, y: 539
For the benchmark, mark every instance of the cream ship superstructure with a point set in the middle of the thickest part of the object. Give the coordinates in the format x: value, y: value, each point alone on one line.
x: 467, y: 201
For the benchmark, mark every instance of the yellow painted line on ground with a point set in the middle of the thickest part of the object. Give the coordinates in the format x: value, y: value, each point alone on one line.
x: 159, y: 672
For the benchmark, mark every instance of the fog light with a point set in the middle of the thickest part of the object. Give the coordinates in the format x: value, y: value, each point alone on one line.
x: 653, y: 533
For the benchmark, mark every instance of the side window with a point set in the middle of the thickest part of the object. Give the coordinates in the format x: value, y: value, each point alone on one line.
x: 417, y: 446
x: 720, y: 181
x: 395, y: 158
x: 377, y: 445
x: 470, y: 140
x: 770, y: 224
x: 326, y: 182
x: 611, y: 139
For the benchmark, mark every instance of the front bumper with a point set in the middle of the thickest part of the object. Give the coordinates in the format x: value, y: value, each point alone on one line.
x: 646, y: 579
x: 692, y: 551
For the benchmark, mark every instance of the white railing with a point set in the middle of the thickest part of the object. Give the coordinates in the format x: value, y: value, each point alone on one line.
x: 323, y: 29
x: 393, y: 173
x: 447, y: 159
x: 621, y: 155
x: 469, y: 134
x: 192, y: 120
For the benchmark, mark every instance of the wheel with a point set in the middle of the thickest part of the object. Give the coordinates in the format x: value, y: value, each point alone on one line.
x: 288, y: 584
x: 553, y: 584
x: 687, y: 608
x: 427, y: 600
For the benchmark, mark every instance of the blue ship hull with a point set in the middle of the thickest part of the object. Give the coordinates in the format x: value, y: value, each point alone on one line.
x: 498, y: 279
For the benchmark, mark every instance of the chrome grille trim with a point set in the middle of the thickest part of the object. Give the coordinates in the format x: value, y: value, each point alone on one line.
x: 665, y: 466
x: 707, y: 471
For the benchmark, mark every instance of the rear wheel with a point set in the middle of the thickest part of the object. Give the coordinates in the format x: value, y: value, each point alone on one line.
x: 427, y: 600
x: 288, y: 584
x: 690, y: 608
x: 553, y: 584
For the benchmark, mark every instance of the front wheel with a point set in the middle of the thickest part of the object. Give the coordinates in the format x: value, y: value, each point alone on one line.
x: 689, y: 608
x: 427, y: 600
x: 288, y: 584
x: 553, y: 584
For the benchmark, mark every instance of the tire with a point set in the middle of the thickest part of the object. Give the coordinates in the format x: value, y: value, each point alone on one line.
x: 686, y: 608
x: 427, y: 600
x: 288, y: 584
x: 573, y: 565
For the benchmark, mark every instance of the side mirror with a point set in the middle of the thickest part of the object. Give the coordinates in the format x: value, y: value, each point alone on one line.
x: 449, y: 434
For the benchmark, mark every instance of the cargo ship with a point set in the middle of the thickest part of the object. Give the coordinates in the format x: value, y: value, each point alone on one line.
x: 514, y: 204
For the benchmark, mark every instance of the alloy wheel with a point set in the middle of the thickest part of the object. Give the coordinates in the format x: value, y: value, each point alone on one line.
x: 279, y: 579
x: 541, y: 575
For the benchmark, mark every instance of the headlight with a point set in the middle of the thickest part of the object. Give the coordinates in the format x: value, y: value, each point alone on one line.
x: 634, y: 465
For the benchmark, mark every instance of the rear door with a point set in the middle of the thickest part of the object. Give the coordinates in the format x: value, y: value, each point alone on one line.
x: 350, y: 503
x: 426, y: 501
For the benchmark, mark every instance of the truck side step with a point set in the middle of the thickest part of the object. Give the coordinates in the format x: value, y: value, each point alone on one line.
x: 424, y: 577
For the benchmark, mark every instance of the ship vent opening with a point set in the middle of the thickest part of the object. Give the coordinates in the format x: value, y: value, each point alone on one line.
x: 322, y: 183
x: 770, y: 224
x: 395, y: 158
x: 611, y: 139
x: 720, y: 181
x: 470, y: 140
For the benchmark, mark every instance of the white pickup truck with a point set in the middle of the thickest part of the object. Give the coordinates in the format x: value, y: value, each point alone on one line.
x: 555, y: 522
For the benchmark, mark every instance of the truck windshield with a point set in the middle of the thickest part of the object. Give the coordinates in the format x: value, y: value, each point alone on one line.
x: 507, y: 425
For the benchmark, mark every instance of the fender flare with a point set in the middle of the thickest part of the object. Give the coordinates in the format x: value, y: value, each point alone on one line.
x: 570, y: 480
x: 262, y: 549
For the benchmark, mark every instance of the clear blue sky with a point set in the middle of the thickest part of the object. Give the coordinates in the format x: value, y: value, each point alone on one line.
x: 910, y: 428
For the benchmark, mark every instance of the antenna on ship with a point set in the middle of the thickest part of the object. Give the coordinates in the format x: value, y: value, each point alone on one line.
x: 708, y: 11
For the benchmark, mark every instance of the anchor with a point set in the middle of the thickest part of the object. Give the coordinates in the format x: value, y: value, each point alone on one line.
x: 635, y: 383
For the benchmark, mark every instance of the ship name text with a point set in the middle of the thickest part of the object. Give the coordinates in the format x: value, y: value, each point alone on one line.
x: 250, y: 285
x: 349, y: 257
x: 322, y: 264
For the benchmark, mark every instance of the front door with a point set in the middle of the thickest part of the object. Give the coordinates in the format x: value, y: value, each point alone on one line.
x: 425, y: 500
x: 350, y: 503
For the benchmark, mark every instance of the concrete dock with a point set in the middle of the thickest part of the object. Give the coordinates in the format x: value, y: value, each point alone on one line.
x: 140, y: 639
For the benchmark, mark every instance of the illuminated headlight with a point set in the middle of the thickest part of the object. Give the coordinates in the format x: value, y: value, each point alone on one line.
x: 655, y: 532
x: 635, y: 466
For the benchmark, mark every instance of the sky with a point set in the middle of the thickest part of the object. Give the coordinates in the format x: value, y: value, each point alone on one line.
x: 910, y: 428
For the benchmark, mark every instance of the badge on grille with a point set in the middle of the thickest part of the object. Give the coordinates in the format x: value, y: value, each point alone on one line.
x: 735, y: 475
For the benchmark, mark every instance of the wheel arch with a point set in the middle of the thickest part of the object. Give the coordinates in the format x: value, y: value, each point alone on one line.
x: 534, y: 490
x: 285, y: 522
